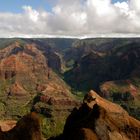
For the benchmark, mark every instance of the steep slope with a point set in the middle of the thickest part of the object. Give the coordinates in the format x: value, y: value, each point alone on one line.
x: 115, y: 75
x: 88, y: 73
x: 99, y: 119
x: 54, y: 49
x: 20, y: 70
x: 96, y: 67
x: 28, y: 83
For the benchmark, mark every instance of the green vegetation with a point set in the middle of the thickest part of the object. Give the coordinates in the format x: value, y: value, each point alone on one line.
x: 121, y: 95
x: 78, y: 94
x: 52, y: 127
x: 2, y: 109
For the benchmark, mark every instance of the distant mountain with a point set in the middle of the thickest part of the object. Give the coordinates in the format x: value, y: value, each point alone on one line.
x: 81, y: 48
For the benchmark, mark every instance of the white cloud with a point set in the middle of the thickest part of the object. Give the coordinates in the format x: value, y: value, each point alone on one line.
x: 33, y: 14
x: 81, y: 18
x: 135, y: 5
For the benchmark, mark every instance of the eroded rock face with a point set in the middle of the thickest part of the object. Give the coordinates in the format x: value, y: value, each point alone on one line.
x: 17, y: 90
x: 54, y: 58
x: 27, y: 81
x: 99, y: 119
x: 21, y: 69
x: 27, y: 61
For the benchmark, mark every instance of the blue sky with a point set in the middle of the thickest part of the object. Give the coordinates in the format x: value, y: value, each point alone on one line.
x: 118, y: 0
x: 15, y: 6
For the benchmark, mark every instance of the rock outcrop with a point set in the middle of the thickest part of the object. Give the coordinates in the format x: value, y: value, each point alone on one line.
x: 27, y: 128
x: 7, y: 125
x: 99, y: 119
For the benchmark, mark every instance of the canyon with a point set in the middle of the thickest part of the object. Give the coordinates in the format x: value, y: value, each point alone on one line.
x: 52, y: 76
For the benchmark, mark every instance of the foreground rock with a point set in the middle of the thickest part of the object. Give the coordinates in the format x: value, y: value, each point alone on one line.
x: 7, y: 125
x: 99, y: 119
x: 28, y: 128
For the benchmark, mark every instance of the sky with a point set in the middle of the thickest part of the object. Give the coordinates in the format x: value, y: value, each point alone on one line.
x: 69, y: 18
